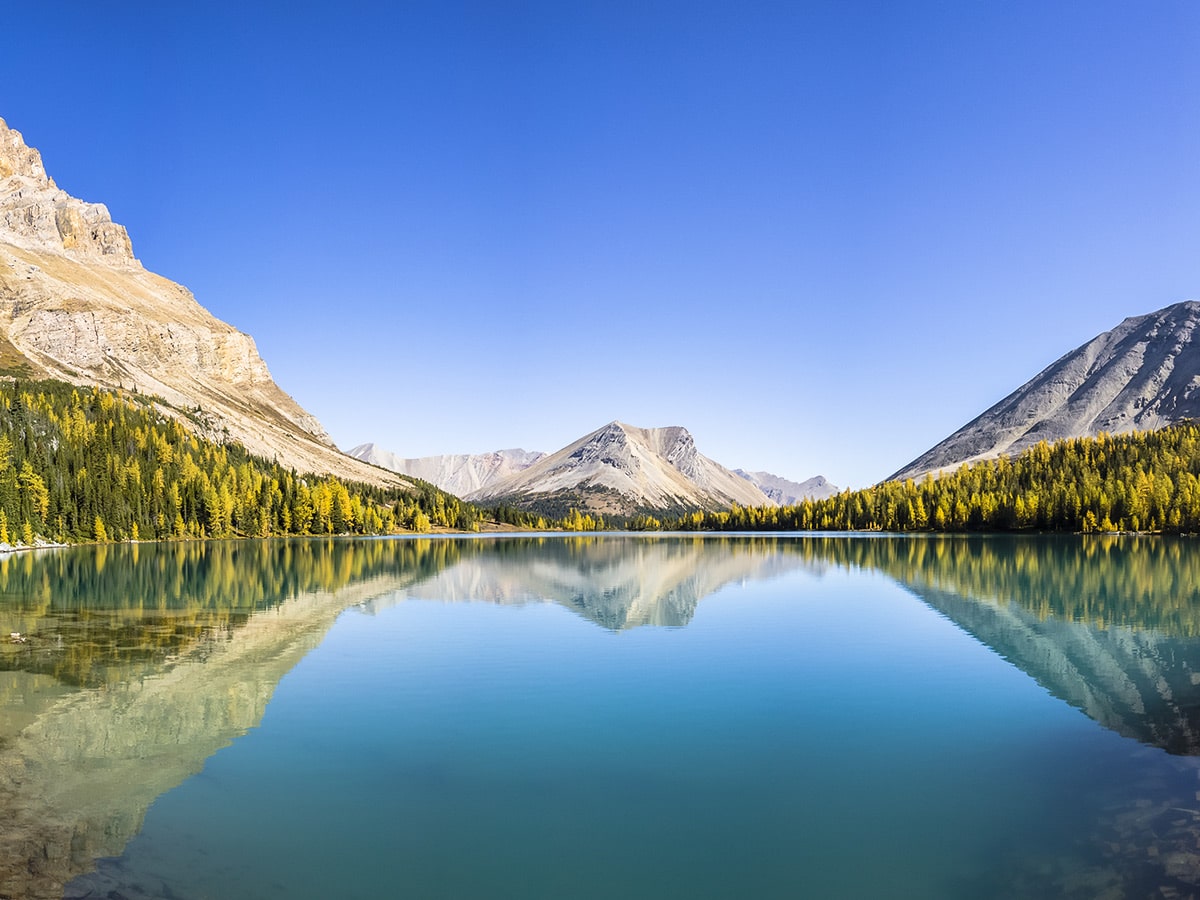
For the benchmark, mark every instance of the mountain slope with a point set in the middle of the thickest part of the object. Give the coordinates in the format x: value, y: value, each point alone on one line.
x: 77, y: 306
x: 1142, y: 375
x: 622, y: 470
x: 460, y: 473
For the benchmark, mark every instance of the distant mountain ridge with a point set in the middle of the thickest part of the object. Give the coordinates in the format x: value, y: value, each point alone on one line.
x: 1142, y: 375
x: 461, y: 474
x: 789, y: 493
x: 75, y: 305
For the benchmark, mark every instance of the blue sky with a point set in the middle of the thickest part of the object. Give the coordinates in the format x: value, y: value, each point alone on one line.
x: 822, y: 236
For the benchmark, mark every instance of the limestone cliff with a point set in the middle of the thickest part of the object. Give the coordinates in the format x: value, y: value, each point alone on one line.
x: 76, y: 305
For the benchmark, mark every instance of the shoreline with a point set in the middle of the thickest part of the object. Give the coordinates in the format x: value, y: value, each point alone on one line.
x: 445, y: 533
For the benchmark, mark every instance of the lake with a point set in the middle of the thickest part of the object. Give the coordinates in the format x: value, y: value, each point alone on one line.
x: 603, y: 716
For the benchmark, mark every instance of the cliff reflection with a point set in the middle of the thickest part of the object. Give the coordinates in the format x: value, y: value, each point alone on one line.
x: 142, y: 661
x: 91, y: 613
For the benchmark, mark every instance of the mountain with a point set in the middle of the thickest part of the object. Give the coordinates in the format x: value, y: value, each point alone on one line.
x: 1142, y: 375
x: 789, y: 493
x: 460, y: 474
x: 623, y: 470
x: 77, y: 306
x: 466, y: 474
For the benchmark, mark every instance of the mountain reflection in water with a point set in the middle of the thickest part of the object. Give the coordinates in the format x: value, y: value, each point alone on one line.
x: 1109, y: 624
x: 144, y: 660
x: 616, y: 581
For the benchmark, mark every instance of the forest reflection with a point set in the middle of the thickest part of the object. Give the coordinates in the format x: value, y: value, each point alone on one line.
x: 89, y: 612
x: 188, y: 640
x: 1136, y: 581
x: 1108, y: 624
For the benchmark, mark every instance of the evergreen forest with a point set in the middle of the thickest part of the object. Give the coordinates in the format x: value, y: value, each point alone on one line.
x: 1140, y: 481
x: 86, y: 464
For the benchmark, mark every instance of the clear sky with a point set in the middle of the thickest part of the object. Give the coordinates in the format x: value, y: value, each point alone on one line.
x: 822, y: 236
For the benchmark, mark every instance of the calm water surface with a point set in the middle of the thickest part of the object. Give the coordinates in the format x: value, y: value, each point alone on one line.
x: 608, y: 716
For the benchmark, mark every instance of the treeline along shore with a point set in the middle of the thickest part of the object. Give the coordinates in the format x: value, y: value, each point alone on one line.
x: 84, y: 464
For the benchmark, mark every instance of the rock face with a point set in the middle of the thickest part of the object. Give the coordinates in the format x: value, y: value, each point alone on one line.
x: 623, y: 470
x: 1142, y: 375
x: 460, y: 474
x: 76, y: 305
x: 788, y: 493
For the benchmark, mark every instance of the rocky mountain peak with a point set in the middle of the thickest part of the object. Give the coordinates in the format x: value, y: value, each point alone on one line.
x: 1142, y: 375
x: 16, y: 158
x: 35, y: 214
x: 620, y: 469
x: 621, y: 445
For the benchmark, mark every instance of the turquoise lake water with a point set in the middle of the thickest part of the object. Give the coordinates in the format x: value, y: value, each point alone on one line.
x: 612, y: 716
